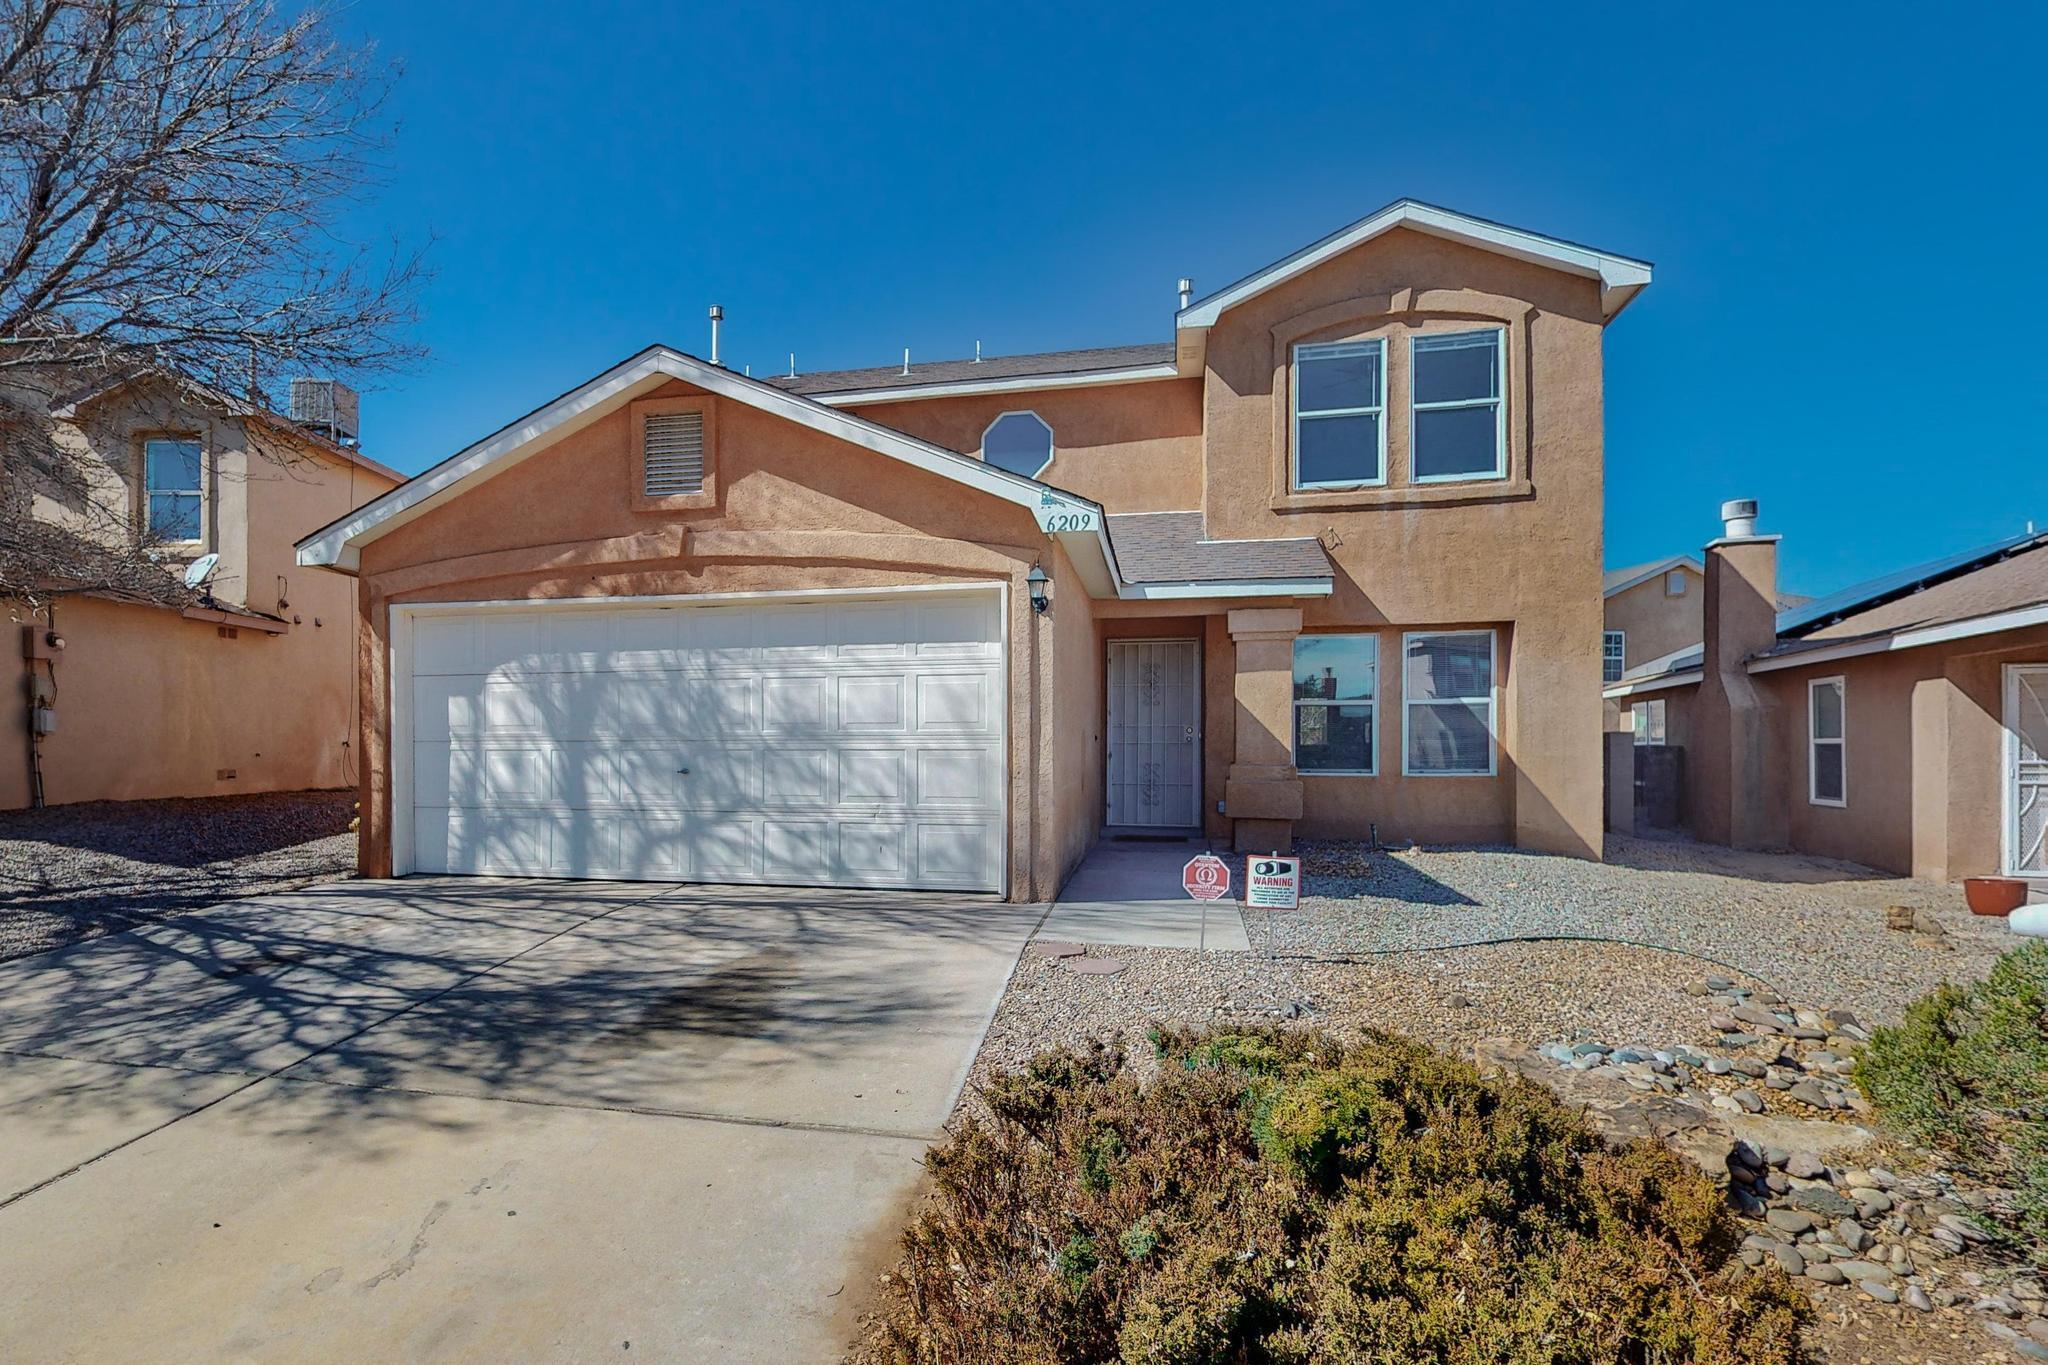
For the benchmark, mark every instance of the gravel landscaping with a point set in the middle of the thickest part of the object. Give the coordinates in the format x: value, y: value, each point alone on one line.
x: 70, y: 873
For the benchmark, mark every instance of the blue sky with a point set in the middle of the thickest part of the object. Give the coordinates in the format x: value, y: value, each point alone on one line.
x: 1843, y: 205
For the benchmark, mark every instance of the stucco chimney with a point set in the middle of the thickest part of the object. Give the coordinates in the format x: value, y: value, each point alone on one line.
x: 1737, y: 767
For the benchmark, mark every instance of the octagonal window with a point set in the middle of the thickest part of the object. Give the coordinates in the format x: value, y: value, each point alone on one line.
x: 1020, y: 442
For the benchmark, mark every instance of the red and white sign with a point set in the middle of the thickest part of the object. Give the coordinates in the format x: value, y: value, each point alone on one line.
x: 1207, y: 877
x: 1273, y: 883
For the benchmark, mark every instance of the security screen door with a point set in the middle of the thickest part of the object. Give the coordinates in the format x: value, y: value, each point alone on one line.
x: 2026, y: 769
x: 1155, y: 733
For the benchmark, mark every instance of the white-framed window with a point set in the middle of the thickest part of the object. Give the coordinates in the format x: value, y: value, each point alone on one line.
x: 1457, y: 425
x: 1674, y: 583
x: 1340, y: 401
x: 1020, y: 442
x: 1447, y: 704
x: 1827, y: 743
x: 171, y: 482
x: 1336, y: 710
x: 1613, y: 655
x: 1647, y: 719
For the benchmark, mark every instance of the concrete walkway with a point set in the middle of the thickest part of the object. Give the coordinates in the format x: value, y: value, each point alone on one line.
x: 460, y: 1119
x: 1130, y: 892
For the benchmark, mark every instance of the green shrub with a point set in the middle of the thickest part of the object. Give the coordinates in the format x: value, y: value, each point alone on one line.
x: 1967, y: 1071
x: 1276, y: 1198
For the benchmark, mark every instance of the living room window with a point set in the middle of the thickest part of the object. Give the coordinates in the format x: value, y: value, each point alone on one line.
x: 1336, y: 685
x: 171, y: 474
x: 1447, y: 704
x: 1827, y: 772
x: 1613, y: 655
x: 1340, y: 400
x: 1457, y: 430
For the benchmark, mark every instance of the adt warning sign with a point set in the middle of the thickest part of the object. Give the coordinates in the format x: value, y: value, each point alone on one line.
x: 1206, y: 878
x: 1273, y: 883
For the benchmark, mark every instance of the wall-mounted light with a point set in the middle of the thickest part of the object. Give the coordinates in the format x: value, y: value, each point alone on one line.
x: 1037, y: 580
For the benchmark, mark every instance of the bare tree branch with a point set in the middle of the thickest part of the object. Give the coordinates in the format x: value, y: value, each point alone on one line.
x: 172, y: 174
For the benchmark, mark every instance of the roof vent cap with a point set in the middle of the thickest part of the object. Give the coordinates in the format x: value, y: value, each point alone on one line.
x: 1738, y: 518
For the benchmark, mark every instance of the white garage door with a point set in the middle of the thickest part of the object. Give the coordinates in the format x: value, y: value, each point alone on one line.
x: 850, y: 742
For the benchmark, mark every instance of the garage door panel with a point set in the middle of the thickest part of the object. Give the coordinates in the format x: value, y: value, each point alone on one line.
x: 855, y: 744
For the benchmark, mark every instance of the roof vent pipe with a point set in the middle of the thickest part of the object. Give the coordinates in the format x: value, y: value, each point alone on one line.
x: 1187, y: 292
x: 1738, y: 518
x: 792, y: 364
x: 717, y: 316
x: 906, y: 360
x: 977, y: 352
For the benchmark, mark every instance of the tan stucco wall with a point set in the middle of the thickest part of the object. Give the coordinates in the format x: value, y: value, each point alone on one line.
x: 796, y: 511
x: 1657, y: 623
x: 151, y: 704
x: 1925, y: 755
x: 1522, y: 555
x: 1130, y: 447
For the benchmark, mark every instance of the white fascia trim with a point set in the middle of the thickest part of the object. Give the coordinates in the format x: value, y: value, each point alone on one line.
x: 1621, y: 278
x: 2017, y: 619
x: 1675, y: 562
x: 1654, y: 685
x: 1650, y: 668
x: 1019, y: 384
x: 339, y: 545
x: 1249, y: 587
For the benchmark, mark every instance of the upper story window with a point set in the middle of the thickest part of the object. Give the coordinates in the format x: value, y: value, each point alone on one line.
x: 171, y: 488
x: 1456, y: 429
x: 1336, y: 681
x: 1340, y: 400
x: 1020, y: 442
x: 1613, y: 655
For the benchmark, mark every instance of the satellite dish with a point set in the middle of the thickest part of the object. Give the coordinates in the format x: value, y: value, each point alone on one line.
x: 201, y: 569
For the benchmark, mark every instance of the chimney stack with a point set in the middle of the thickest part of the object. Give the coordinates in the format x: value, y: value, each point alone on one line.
x: 1737, y: 779
x: 717, y: 316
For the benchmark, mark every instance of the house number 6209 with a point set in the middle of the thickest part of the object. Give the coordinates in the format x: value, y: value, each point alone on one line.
x: 1069, y: 521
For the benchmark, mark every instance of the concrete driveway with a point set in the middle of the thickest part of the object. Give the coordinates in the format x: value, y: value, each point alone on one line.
x: 460, y: 1119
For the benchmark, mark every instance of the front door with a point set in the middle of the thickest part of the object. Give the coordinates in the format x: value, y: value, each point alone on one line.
x: 1155, y: 733
x: 2026, y: 769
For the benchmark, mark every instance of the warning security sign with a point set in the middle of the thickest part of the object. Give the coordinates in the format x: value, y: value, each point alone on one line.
x: 1273, y: 883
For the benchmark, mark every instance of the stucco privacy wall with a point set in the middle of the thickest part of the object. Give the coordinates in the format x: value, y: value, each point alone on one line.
x: 1130, y: 447
x: 795, y: 511
x: 1657, y: 623
x: 1523, y: 554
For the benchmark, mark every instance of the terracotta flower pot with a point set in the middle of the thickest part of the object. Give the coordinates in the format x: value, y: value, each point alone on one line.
x: 1994, y: 895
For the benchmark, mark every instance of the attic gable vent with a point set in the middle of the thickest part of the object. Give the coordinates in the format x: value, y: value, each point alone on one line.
x: 673, y: 454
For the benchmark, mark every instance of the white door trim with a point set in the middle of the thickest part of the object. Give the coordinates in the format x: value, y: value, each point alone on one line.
x: 2009, y: 771
x: 403, y: 615
x: 1194, y: 820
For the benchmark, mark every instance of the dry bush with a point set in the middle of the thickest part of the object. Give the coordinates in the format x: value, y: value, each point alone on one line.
x: 1277, y: 1197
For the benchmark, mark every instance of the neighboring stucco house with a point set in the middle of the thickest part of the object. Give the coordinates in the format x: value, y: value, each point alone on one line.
x: 1326, y: 560
x: 1653, y: 611
x: 246, y: 685
x: 1901, y: 723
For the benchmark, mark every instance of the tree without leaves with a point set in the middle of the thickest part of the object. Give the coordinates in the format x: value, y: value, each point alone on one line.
x: 171, y: 175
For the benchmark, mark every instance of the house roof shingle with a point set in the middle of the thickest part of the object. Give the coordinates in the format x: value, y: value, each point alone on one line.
x: 1172, y: 547
x: 2005, y: 584
x: 1043, y: 365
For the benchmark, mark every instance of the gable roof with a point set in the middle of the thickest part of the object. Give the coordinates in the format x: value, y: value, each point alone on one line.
x: 339, y: 544
x: 996, y: 374
x: 1621, y: 580
x: 1621, y: 277
x: 1824, y: 613
x: 66, y: 408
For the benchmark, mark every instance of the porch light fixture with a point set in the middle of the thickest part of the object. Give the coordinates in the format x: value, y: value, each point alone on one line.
x: 1037, y: 580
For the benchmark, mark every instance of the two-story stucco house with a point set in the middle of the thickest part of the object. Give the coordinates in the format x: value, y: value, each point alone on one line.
x: 1326, y: 560
x: 137, y: 687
